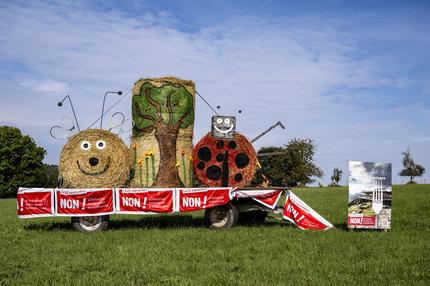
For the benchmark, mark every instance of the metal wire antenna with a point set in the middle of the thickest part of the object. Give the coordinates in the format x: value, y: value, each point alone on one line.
x: 110, y: 108
x: 206, y: 102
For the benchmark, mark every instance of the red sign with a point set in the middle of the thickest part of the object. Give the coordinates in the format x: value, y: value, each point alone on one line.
x: 35, y: 202
x: 268, y: 198
x: 79, y: 202
x: 361, y: 220
x: 303, y: 216
x: 198, y: 199
x: 144, y: 200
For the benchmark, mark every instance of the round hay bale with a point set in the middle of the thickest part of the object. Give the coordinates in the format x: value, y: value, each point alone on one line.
x: 94, y: 158
x: 224, y: 162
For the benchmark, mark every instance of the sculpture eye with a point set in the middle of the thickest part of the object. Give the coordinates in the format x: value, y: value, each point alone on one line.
x: 219, y: 120
x: 101, y: 144
x: 85, y: 145
x: 227, y: 121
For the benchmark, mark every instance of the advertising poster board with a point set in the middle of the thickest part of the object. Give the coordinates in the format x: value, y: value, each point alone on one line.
x: 369, y: 195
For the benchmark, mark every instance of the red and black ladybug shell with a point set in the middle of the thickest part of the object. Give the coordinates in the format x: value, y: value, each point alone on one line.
x: 224, y: 162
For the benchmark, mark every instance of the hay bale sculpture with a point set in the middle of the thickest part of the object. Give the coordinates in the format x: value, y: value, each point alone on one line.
x: 94, y: 158
x: 163, y: 116
x: 224, y: 157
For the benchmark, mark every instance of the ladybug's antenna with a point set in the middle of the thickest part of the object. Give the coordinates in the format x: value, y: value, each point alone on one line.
x: 208, y: 103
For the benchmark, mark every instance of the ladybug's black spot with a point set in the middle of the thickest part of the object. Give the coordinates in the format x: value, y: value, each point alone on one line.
x: 219, y: 144
x: 232, y: 145
x: 213, y: 173
x: 242, y: 160
x: 204, y: 154
x: 220, y: 157
x: 238, y: 177
x: 201, y: 165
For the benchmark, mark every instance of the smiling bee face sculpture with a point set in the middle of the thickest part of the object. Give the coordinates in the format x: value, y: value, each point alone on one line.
x: 94, y: 158
x: 223, y: 126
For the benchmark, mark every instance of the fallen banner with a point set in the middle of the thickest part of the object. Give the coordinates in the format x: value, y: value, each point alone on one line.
x: 35, y: 202
x: 193, y: 199
x: 144, y: 201
x: 302, y: 215
x: 84, y: 202
x: 268, y: 198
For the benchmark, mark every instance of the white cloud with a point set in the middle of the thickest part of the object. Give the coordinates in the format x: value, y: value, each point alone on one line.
x: 51, y: 86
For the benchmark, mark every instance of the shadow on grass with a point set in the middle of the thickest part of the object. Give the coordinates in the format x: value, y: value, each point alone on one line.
x: 341, y: 226
x: 44, y: 226
x: 160, y: 222
x: 149, y: 222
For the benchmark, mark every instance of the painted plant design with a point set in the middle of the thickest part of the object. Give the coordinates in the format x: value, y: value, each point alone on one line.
x: 165, y: 110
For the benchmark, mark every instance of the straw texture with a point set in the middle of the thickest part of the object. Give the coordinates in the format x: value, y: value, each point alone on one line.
x: 94, y: 158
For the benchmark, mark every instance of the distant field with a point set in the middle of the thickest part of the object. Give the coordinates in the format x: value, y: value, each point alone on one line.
x: 178, y: 250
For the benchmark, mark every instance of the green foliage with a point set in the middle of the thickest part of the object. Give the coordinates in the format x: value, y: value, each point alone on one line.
x: 51, y: 176
x: 169, y: 104
x: 336, y: 177
x: 411, y: 169
x: 177, y: 250
x: 20, y: 162
x: 290, y: 165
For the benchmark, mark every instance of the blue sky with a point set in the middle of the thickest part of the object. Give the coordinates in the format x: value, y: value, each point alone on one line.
x: 352, y: 75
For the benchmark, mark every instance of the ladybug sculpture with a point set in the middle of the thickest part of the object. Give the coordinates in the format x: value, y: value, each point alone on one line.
x: 224, y: 157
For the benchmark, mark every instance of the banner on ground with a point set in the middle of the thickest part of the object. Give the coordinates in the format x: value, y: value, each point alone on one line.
x: 268, y: 198
x: 369, y: 195
x: 302, y: 215
x: 84, y: 202
x: 144, y: 201
x: 35, y: 202
x: 193, y: 199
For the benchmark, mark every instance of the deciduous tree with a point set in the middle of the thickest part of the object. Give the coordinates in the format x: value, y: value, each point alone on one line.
x: 20, y: 162
x: 411, y: 169
x: 291, y: 165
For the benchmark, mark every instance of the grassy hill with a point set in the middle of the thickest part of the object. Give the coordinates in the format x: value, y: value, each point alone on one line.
x: 178, y: 250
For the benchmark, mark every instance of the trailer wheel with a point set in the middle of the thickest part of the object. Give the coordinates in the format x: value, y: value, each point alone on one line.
x: 255, y: 217
x: 220, y: 217
x: 90, y: 223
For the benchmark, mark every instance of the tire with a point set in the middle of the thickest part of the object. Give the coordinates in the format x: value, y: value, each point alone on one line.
x: 90, y: 223
x: 255, y: 217
x: 221, y: 217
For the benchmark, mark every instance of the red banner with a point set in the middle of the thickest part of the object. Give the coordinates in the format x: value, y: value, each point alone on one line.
x: 198, y: 199
x: 135, y: 201
x: 84, y: 202
x: 268, y: 198
x: 303, y: 216
x: 35, y: 202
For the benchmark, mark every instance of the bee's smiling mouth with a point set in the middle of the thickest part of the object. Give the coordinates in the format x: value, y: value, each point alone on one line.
x: 94, y: 173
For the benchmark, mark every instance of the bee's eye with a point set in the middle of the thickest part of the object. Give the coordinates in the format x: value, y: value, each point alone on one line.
x: 227, y: 121
x: 101, y: 144
x: 219, y: 120
x: 85, y: 145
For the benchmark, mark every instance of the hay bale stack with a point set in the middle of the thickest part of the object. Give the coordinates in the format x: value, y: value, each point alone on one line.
x: 163, y: 116
x: 94, y: 158
x: 224, y: 162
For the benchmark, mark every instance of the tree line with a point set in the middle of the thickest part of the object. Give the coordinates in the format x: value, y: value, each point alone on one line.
x: 292, y: 165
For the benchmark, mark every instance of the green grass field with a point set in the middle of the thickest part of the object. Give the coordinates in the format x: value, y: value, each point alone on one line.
x: 178, y: 250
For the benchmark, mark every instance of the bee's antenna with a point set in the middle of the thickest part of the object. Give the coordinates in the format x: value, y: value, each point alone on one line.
x: 60, y: 103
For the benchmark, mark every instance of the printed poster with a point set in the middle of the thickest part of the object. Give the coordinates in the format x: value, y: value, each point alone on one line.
x: 369, y: 195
